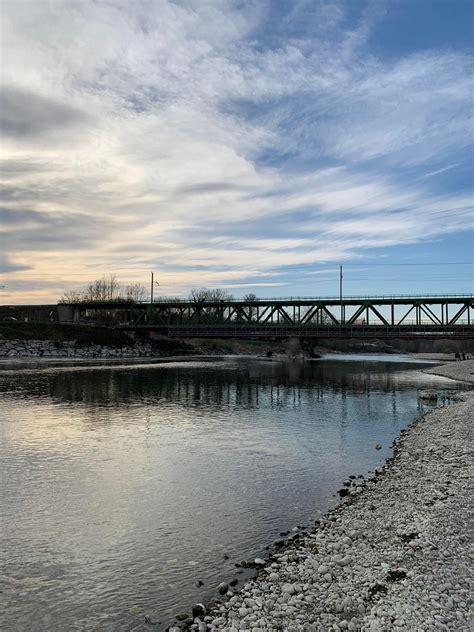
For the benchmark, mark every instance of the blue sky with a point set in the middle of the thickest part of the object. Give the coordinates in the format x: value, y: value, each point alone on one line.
x: 254, y: 146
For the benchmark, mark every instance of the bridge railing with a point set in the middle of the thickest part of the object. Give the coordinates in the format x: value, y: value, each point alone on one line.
x: 275, y: 299
x: 290, y: 299
x: 311, y: 325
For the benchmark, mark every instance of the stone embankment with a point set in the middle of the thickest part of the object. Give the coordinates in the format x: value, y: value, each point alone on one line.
x: 392, y: 556
x: 70, y: 349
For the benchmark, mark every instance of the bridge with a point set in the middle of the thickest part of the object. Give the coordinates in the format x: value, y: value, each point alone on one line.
x: 435, y: 316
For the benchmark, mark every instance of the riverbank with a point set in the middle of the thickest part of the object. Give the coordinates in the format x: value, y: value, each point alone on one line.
x: 20, y: 339
x: 95, y: 343
x: 392, y: 556
x: 463, y: 371
x: 52, y: 341
x: 21, y: 349
x: 152, y: 348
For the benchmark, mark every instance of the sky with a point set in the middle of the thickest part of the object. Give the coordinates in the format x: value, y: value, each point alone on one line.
x: 251, y: 145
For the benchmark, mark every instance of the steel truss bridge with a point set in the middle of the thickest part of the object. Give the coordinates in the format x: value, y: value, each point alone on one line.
x: 436, y: 316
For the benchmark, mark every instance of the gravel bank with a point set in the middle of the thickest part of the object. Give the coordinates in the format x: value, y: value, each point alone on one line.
x: 463, y: 371
x: 392, y: 556
x: 440, y: 357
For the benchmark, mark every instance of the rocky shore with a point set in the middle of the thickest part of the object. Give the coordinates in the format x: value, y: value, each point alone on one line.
x: 463, y: 371
x: 70, y: 349
x: 392, y: 556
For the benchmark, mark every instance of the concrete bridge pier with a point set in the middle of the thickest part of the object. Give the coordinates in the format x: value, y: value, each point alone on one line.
x: 308, y: 345
x: 296, y: 346
x: 68, y: 313
x: 65, y: 313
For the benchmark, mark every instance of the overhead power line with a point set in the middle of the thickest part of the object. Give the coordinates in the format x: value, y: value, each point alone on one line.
x: 138, y: 271
x: 427, y: 263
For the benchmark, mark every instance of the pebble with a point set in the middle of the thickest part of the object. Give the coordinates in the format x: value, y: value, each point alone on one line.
x: 223, y: 588
x: 353, y: 571
x: 199, y: 610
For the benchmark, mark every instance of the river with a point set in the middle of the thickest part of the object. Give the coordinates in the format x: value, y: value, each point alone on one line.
x: 124, y: 486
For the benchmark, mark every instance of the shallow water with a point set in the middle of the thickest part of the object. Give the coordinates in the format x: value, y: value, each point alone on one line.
x: 124, y: 486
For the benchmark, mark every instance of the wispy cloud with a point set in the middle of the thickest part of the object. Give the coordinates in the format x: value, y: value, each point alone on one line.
x: 138, y: 134
x: 24, y: 114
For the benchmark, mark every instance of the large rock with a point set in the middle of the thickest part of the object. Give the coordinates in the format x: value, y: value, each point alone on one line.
x: 223, y: 588
x: 428, y: 395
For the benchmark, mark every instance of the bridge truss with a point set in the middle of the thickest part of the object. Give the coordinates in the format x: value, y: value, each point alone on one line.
x: 281, y: 317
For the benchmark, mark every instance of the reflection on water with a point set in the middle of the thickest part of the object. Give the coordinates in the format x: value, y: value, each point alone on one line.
x: 122, y: 487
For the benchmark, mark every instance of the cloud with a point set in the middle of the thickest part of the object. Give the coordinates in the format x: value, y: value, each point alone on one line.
x: 24, y: 114
x: 24, y: 230
x: 211, y: 188
x: 14, y: 169
x: 6, y: 265
x: 235, y: 139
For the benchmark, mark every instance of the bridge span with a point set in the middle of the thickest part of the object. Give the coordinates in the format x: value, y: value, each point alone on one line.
x: 432, y: 316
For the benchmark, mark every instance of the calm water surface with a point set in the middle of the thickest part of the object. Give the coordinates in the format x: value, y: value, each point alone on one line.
x: 121, y: 487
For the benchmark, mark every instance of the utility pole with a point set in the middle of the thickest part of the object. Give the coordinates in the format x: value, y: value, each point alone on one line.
x: 151, y: 291
x: 340, y: 293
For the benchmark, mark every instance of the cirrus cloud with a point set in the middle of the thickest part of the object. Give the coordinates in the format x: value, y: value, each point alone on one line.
x: 237, y: 138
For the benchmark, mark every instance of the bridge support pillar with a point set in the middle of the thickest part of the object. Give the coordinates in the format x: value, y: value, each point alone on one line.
x: 294, y: 345
x: 68, y: 313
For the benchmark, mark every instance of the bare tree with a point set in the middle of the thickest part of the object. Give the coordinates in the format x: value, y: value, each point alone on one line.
x: 250, y: 298
x: 71, y: 297
x: 105, y: 289
x: 206, y: 295
x: 135, y: 292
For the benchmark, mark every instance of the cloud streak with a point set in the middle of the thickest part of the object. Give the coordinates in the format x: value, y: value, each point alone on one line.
x: 24, y: 114
x: 140, y: 134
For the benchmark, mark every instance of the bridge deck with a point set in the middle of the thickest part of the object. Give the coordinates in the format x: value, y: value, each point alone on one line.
x: 314, y: 332
x: 350, y: 317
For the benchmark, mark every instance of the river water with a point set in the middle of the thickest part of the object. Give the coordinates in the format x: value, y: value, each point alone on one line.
x: 122, y: 487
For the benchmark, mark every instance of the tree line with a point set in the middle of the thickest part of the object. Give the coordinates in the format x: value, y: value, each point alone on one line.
x: 108, y: 288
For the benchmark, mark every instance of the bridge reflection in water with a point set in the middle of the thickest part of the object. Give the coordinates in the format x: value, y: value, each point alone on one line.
x: 155, y: 472
x: 218, y: 382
